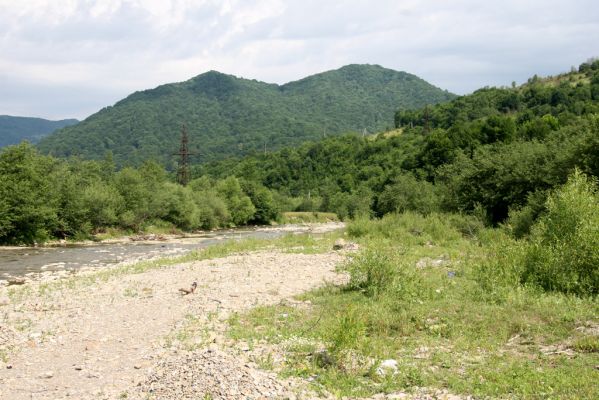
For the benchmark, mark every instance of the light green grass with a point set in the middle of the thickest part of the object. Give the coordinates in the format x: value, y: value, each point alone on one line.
x: 439, y: 322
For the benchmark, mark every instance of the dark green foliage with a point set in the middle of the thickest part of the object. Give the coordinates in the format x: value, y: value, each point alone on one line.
x: 495, y: 152
x: 266, y: 208
x: 406, y: 193
x: 29, y: 201
x: 563, y: 253
x: 42, y: 197
x: 13, y: 130
x: 228, y: 116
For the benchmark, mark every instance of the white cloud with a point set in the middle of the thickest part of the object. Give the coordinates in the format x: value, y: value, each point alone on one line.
x: 96, y: 52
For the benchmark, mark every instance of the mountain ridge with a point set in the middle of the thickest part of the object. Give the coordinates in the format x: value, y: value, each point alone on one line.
x: 230, y: 116
x: 14, y: 129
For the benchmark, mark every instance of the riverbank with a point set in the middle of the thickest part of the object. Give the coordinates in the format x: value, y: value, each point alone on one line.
x: 294, y: 226
x: 24, y: 264
x: 107, y: 338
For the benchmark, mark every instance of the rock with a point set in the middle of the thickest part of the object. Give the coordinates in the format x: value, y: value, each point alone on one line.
x: 387, y: 367
x: 324, y: 359
x: 46, y: 375
x: 430, y: 262
x: 16, y: 280
x: 339, y: 244
x: 4, y: 301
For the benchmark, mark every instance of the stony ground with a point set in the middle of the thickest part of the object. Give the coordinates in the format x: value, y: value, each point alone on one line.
x: 136, y: 337
x: 119, y: 338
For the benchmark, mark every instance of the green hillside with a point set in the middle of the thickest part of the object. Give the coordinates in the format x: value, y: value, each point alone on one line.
x: 15, y: 129
x: 228, y: 116
x: 496, y: 151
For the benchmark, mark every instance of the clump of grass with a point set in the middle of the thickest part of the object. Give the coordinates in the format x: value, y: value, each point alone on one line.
x: 374, y: 272
x: 587, y: 344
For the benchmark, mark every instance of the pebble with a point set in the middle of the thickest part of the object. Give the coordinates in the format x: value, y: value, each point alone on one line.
x: 46, y: 375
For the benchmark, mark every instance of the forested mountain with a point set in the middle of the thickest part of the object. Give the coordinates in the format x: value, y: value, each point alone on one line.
x: 497, y: 152
x: 15, y: 129
x: 229, y: 116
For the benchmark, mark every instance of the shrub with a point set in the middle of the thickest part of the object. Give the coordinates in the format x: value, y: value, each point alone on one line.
x: 408, y: 194
x: 371, y: 271
x: 563, y: 253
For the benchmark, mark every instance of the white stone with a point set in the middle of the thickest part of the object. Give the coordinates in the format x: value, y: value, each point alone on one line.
x: 387, y: 366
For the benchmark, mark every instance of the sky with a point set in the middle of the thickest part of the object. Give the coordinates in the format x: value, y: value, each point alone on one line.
x: 70, y: 58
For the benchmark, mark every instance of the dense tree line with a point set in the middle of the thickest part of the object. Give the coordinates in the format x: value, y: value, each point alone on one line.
x: 497, y: 152
x: 42, y: 197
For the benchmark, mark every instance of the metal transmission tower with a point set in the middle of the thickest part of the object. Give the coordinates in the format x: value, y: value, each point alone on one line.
x: 183, y: 174
x: 426, y: 119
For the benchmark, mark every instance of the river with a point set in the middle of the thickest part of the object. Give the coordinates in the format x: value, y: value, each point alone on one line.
x: 23, y: 261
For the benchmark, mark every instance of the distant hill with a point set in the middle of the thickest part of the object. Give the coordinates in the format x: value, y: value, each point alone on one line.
x: 13, y: 130
x: 230, y: 116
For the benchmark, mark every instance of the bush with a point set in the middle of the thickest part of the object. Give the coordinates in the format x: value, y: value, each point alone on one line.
x: 408, y: 194
x: 371, y: 271
x: 563, y: 254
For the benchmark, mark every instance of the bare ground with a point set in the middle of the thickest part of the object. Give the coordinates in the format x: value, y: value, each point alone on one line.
x: 117, y: 339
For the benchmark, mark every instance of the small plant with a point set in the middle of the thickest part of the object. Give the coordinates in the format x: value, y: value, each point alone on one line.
x: 371, y: 271
x: 349, y: 330
x: 587, y: 344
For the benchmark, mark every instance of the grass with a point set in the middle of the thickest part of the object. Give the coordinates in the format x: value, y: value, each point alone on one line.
x: 440, y: 321
x: 300, y: 217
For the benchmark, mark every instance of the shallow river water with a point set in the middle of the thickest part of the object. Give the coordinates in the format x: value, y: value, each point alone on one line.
x: 21, y: 261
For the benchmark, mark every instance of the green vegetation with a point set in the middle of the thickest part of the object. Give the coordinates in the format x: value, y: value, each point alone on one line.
x: 42, y: 197
x: 460, y: 307
x: 297, y: 217
x: 496, y: 153
x: 228, y: 116
x: 13, y: 130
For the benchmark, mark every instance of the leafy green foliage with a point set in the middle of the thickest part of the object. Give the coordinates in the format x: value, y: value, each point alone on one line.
x: 495, y: 153
x: 42, y: 197
x: 564, y: 251
x: 228, y: 116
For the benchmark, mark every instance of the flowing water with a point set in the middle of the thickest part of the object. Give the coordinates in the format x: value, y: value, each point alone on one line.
x: 20, y: 261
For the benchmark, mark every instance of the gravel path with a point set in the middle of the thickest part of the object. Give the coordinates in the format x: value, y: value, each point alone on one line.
x: 114, y: 339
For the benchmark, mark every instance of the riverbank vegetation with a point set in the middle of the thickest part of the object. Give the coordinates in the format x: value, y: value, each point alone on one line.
x: 451, y: 305
x: 42, y: 197
x: 496, y: 154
